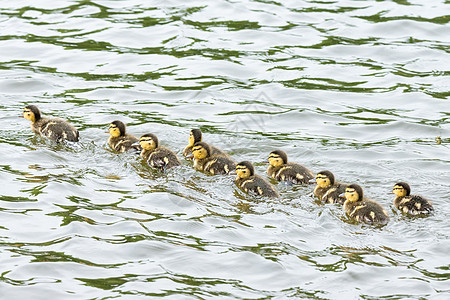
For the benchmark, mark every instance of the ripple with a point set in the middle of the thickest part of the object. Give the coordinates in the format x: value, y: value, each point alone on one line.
x: 359, y: 88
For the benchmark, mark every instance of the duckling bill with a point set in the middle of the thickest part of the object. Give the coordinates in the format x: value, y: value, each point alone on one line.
x: 157, y: 156
x: 327, y: 189
x: 55, y: 129
x: 251, y: 183
x: 119, y: 140
x: 282, y: 170
x: 210, y: 163
x: 195, y: 136
x: 363, y: 210
x: 412, y: 205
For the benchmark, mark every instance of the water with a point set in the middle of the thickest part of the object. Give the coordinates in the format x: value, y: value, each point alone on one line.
x: 356, y: 87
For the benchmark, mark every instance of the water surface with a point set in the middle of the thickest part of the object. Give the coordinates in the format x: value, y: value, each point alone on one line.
x: 357, y: 87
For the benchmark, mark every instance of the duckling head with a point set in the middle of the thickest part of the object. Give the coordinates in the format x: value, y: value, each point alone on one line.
x: 401, y: 189
x: 325, y: 179
x: 201, y: 150
x: 31, y: 113
x: 277, y: 158
x: 195, y: 136
x: 245, y: 169
x: 149, y: 141
x: 117, y: 128
x: 354, y: 193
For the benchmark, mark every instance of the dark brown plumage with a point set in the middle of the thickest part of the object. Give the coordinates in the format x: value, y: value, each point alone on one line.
x: 282, y: 170
x: 157, y: 156
x: 53, y: 128
x: 327, y: 189
x: 363, y: 210
x: 210, y: 163
x: 410, y: 204
x: 251, y: 183
x: 119, y: 140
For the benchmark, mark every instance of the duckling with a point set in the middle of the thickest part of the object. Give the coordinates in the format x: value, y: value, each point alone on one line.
x: 327, y: 189
x: 410, y: 204
x: 205, y: 161
x: 196, y: 136
x: 119, y: 140
x: 157, y: 156
x: 281, y: 170
x: 251, y: 183
x: 438, y: 140
x: 53, y: 128
x: 363, y: 210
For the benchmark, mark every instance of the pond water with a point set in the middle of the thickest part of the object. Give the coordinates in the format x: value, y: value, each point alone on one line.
x: 360, y: 88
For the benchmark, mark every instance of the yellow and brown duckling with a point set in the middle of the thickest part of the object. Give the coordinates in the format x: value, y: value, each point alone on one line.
x: 410, y: 204
x: 210, y: 163
x: 119, y: 140
x: 53, y: 128
x: 363, y: 210
x: 156, y: 156
x: 195, y: 136
x: 327, y: 189
x: 282, y: 170
x: 251, y: 183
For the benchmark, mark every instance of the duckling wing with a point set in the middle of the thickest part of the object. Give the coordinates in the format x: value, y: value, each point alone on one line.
x: 163, y: 158
x: 58, y: 130
x: 295, y: 173
x: 370, y: 213
x: 332, y: 194
x: 187, y: 151
x: 123, y: 143
x: 219, y: 165
x: 256, y: 185
x: 320, y: 192
x: 414, y: 205
x: 217, y: 151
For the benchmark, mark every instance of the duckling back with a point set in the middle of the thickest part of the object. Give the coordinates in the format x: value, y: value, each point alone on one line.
x: 55, y: 129
x: 366, y: 211
x: 413, y: 205
x: 163, y: 158
x: 330, y: 194
x: 123, y: 143
x: 291, y: 172
x: 256, y: 185
x: 218, y: 165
